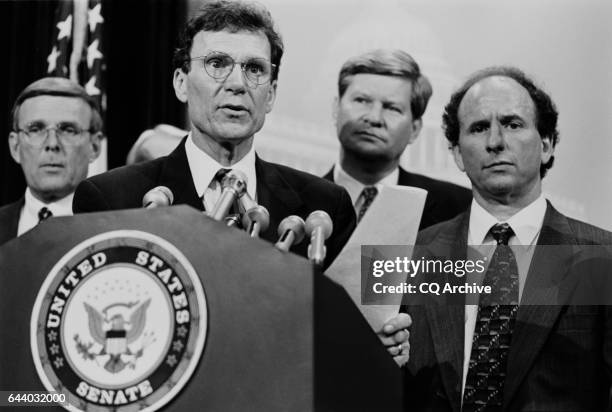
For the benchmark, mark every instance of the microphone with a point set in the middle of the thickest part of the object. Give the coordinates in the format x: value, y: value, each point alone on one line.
x: 256, y: 220
x: 233, y: 220
x: 319, y: 227
x: 234, y: 185
x: 157, y: 197
x: 247, y: 202
x: 290, y: 232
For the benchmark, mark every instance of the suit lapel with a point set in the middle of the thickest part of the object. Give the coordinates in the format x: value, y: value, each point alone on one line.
x: 176, y: 175
x: 447, y: 321
x: 544, y: 293
x: 276, y: 195
x: 10, y: 221
x: 330, y: 175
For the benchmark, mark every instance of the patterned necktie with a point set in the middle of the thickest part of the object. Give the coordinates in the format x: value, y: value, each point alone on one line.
x: 484, y: 385
x: 368, y: 194
x: 44, y: 214
x: 214, y: 189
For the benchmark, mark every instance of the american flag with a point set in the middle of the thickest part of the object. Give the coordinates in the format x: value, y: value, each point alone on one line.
x: 77, y: 49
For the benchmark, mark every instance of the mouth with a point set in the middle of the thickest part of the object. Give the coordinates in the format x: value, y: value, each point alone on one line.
x: 52, y: 166
x: 235, y: 108
x: 498, y: 164
x: 367, y: 133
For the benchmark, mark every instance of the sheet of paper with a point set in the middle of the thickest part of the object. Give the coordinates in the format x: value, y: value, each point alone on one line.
x: 392, y: 219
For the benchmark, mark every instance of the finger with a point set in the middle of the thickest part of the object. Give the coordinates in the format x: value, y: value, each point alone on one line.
x: 398, y: 337
x: 398, y: 322
x: 399, y: 349
x: 401, y: 360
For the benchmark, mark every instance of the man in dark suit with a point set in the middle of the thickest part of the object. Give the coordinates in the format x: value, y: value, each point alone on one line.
x: 546, y: 353
x: 53, y: 163
x: 382, y: 96
x: 226, y: 70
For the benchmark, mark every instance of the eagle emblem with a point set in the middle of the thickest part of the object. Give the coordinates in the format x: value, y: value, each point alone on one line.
x: 114, y: 334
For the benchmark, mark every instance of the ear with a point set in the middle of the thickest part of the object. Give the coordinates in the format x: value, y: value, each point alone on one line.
x: 271, y: 96
x: 417, y: 125
x: 457, y: 156
x: 179, y: 81
x: 95, y: 140
x: 547, y: 149
x: 13, y: 142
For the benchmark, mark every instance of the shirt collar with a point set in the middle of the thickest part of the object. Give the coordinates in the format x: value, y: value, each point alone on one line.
x: 526, y: 223
x: 203, y: 168
x: 354, y: 187
x: 61, y: 207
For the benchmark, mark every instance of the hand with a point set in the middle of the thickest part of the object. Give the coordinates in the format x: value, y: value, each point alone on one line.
x: 394, y: 335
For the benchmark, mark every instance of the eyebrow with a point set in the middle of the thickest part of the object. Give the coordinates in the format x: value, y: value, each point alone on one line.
x: 510, y: 117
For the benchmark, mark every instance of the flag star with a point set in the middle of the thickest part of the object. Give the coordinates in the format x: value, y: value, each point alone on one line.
x: 52, y: 59
x: 65, y: 27
x: 93, y: 53
x: 95, y: 17
x: 91, y: 88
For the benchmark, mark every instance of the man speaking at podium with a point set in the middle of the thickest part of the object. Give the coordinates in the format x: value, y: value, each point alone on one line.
x: 226, y: 71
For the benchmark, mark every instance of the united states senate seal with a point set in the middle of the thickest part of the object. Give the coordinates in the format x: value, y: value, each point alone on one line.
x: 119, y: 323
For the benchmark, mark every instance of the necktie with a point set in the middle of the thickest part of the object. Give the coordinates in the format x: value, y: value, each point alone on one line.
x: 214, y: 189
x: 368, y: 194
x: 484, y: 384
x: 44, y: 214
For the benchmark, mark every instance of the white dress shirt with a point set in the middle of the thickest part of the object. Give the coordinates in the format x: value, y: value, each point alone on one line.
x: 203, y: 169
x: 354, y: 187
x: 526, y: 225
x: 29, y: 212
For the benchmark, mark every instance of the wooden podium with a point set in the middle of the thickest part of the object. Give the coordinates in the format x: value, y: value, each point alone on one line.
x: 271, y: 333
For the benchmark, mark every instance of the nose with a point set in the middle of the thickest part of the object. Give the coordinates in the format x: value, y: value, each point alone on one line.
x: 495, y: 139
x: 235, y: 80
x: 52, y: 142
x: 373, y: 115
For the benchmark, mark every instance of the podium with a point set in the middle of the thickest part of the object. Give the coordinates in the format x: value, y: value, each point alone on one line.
x: 166, y: 309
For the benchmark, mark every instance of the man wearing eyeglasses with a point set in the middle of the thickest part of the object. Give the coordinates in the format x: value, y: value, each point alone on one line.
x: 56, y: 134
x: 226, y: 70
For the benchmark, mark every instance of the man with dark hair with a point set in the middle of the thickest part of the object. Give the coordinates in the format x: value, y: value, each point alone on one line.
x: 525, y: 346
x: 226, y: 69
x: 56, y: 134
x: 382, y: 96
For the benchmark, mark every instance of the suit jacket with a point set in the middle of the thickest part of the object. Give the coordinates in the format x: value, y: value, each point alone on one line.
x: 561, y: 355
x: 9, y: 220
x: 282, y: 190
x: 444, y: 200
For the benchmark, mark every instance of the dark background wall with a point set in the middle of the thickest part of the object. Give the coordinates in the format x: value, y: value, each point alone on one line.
x: 139, y: 38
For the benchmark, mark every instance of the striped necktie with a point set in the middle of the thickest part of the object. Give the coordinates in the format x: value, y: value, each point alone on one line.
x: 368, y: 194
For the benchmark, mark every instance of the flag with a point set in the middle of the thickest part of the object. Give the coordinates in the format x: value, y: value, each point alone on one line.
x: 77, y: 51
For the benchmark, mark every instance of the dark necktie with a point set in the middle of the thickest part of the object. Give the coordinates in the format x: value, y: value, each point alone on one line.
x: 484, y: 385
x: 44, y: 214
x: 368, y: 194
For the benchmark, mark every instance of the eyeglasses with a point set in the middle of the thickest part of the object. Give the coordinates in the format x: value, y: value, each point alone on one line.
x: 69, y: 133
x: 219, y: 65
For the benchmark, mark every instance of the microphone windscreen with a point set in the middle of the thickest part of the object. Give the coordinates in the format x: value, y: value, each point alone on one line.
x: 321, y: 219
x: 293, y: 223
x: 257, y: 214
x: 158, y: 196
